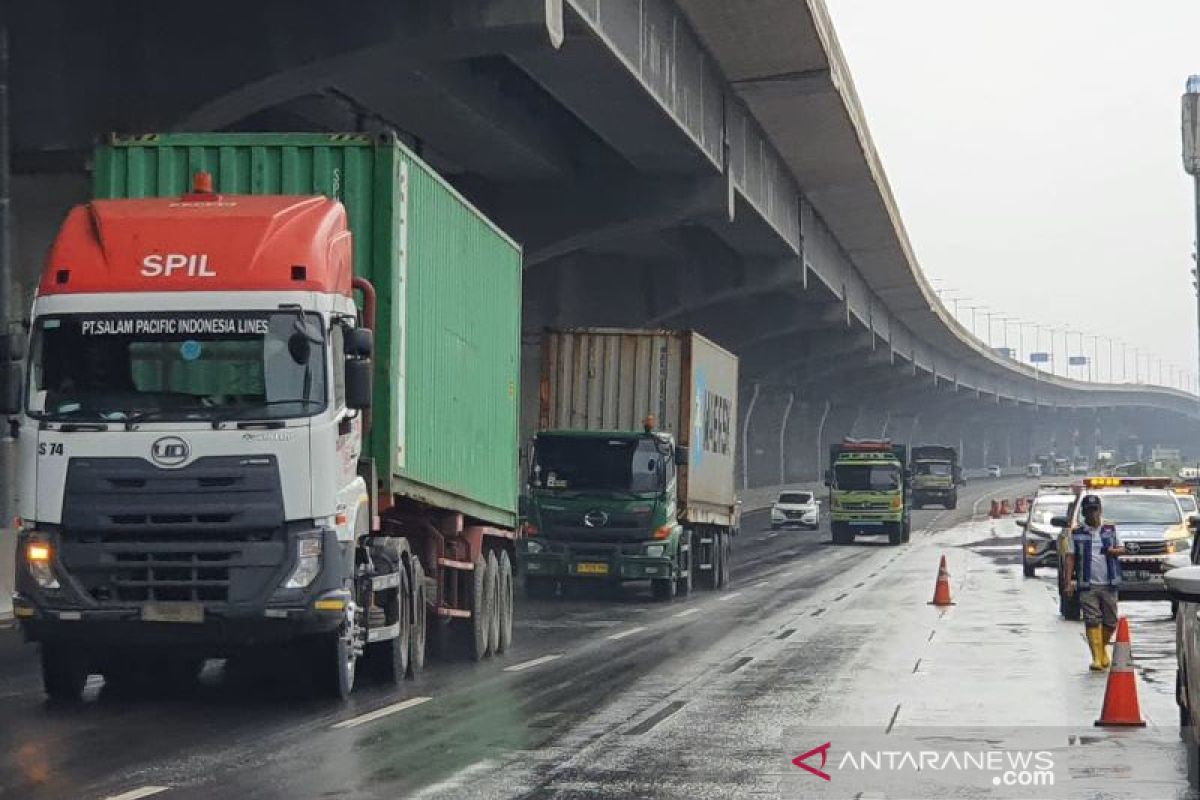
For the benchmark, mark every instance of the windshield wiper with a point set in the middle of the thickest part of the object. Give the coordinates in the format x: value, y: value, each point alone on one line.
x: 149, y: 414
x: 238, y: 413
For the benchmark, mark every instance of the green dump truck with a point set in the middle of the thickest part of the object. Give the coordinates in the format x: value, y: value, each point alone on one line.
x: 936, y: 475
x: 868, y: 490
x: 631, y: 472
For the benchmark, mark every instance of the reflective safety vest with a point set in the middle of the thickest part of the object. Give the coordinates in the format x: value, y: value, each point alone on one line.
x: 1081, y: 539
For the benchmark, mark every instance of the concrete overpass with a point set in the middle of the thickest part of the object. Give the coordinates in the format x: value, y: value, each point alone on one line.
x: 671, y: 163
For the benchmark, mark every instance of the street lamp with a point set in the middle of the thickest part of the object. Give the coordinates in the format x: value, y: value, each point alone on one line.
x: 1191, y: 164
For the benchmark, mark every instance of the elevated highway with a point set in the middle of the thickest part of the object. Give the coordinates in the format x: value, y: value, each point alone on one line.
x: 673, y: 163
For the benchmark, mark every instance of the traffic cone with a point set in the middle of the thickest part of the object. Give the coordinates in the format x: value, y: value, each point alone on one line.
x: 995, y: 512
x: 1004, y: 509
x: 941, y: 590
x: 1121, y: 706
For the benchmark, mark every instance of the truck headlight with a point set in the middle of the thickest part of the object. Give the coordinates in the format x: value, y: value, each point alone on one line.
x: 532, y: 547
x: 39, y: 561
x: 308, y: 563
x: 655, y: 550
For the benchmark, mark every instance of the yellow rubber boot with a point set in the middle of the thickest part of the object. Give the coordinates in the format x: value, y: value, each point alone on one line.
x: 1106, y: 637
x: 1096, y: 645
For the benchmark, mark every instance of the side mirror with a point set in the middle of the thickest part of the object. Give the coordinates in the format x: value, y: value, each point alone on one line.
x: 360, y: 383
x: 359, y: 342
x: 1060, y: 522
x: 1020, y: 523
x: 13, y: 378
x: 1183, y: 584
x: 682, y: 455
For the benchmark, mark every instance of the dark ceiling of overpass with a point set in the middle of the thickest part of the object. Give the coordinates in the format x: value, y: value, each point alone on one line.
x: 637, y: 203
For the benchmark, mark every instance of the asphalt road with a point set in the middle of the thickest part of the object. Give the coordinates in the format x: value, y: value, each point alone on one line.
x: 583, y: 670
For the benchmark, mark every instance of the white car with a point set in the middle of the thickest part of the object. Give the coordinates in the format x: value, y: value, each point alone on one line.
x: 993, y: 471
x: 801, y: 509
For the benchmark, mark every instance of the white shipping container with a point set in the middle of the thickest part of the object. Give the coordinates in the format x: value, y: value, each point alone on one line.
x: 613, y: 378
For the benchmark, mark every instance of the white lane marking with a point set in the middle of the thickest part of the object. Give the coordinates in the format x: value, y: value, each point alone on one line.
x: 787, y: 574
x: 135, y: 794
x: 629, y: 632
x: 730, y: 596
x: 686, y: 613
x: 772, y: 535
x: 761, y: 584
x: 380, y: 713
x: 533, y: 662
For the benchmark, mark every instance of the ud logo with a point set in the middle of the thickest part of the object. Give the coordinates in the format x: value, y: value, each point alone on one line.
x: 595, y: 519
x: 169, y: 451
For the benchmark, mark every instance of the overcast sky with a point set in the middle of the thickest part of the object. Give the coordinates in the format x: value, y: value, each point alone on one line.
x: 1034, y: 149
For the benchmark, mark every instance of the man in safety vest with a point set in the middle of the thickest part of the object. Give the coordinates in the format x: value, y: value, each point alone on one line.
x: 1094, y: 570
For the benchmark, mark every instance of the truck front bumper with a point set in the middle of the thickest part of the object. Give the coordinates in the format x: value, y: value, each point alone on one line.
x: 257, y: 610
x: 867, y: 522
x: 614, y: 562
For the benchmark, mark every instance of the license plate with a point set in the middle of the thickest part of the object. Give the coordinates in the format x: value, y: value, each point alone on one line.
x: 1146, y: 577
x: 190, y: 613
x: 866, y: 522
x: 589, y: 568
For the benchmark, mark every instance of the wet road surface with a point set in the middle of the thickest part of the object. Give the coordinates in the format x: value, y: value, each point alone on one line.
x: 621, y: 696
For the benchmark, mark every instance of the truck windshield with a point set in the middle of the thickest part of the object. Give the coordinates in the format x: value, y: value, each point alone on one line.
x: 581, y: 463
x: 176, y: 366
x: 867, y: 478
x: 933, y: 468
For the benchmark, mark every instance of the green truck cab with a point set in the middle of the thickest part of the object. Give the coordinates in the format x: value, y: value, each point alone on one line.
x: 603, y: 505
x: 936, y: 476
x: 868, y: 484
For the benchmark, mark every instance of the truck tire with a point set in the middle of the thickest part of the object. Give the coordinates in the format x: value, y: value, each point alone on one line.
x: 64, y: 673
x: 335, y: 663
x: 726, y: 559
x: 482, y: 591
x: 953, y: 502
x: 840, y: 533
x: 418, y: 637
x: 663, y: 589
x: 906, y: 533
x: 505, y: 625
x: 389, y: 658
x: 493, y: 567
x: 683, y: 586
x: 896, y: 534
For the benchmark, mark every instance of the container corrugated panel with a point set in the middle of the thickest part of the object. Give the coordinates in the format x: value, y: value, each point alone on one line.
x: 611, y: 379
x: 448, y: 284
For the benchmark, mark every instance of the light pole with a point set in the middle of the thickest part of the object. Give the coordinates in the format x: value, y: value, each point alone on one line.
x: 1191, y: 164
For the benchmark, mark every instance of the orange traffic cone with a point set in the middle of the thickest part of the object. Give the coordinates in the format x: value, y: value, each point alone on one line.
x: 995, y: 512
x: 1120, y: 696
x: 1004, y: 509
x: 941, y: 591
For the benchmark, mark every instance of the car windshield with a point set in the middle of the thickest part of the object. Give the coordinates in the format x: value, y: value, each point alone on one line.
x: 584, y: 462
x: 867, y: 478
x: 1141, y: 509
x: 174, y: 366
x: 933, y: 468
x: 795, y: 498
x: 1045, y: 510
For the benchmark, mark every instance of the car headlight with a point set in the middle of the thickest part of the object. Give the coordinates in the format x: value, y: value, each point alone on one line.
x: 655, y: 550
x: 39, y: 561
x: 533, y: 546
x: 308, y: 563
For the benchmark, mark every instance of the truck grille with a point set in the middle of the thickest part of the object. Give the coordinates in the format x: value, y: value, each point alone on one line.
x: 868, y: 505
x: 210, y: 532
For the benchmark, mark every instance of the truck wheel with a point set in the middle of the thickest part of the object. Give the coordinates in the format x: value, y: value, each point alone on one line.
x: 662, y: 588
x: 390, y: 657
x: 841, y: 533
x: 493, y: 567
x: 335, y: 661
x: 953, y: 504
x: 683, y: 586
x: 417, y: 637
x: 906, y: 529
x: 896, y: 534
x: 482, y: 592
x: 506, y: 602
x: 726, y: 559
x: 64, y: 673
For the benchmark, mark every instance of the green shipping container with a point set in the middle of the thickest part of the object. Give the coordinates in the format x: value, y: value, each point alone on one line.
x: 448, y: 284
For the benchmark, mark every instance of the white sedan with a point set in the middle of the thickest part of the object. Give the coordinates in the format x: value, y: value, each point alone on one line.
x: 801, y: 509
